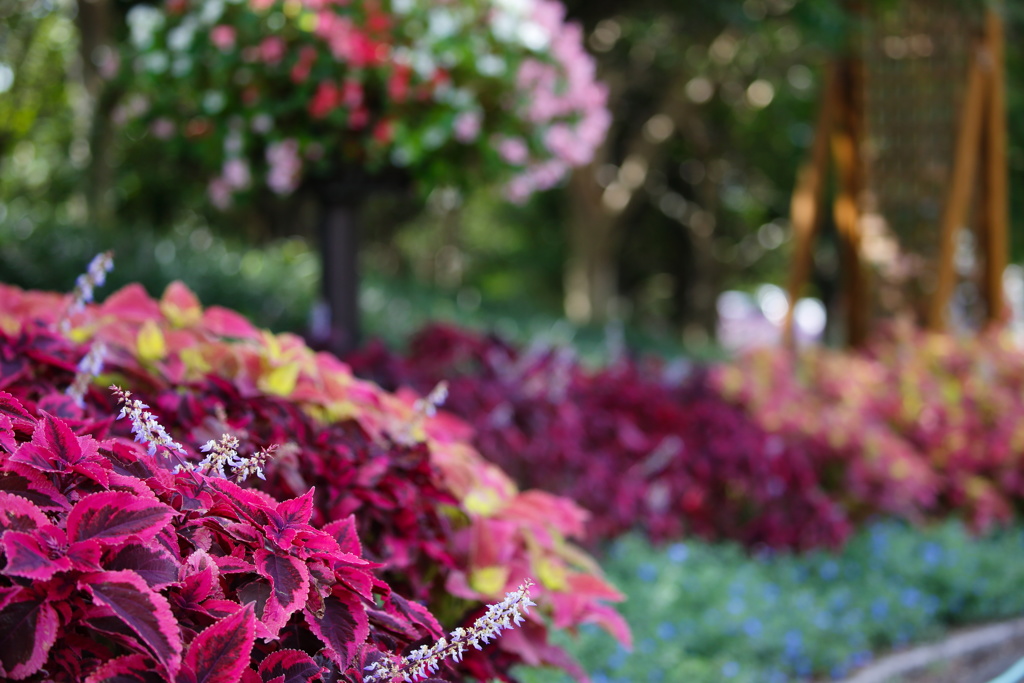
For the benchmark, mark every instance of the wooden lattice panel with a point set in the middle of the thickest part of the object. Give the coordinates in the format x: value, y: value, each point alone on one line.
x: 915, y: 61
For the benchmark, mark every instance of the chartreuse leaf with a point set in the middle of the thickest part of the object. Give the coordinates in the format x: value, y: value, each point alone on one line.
x: 150, y: 345
x: 488, y: 580
x: 180, y: 305
x: 280, y: 380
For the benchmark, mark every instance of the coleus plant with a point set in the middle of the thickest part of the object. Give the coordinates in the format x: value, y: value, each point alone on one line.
x: 269, y: 92
x: 116, y: 568
x: 440, y: 522
x: 929, y: 420
x: 635, y: 451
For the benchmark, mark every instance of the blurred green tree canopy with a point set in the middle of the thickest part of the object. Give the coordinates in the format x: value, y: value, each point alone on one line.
x: 713, y: 103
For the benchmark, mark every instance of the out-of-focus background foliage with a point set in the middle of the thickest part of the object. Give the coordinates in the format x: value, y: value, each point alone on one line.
x: 713, y: 106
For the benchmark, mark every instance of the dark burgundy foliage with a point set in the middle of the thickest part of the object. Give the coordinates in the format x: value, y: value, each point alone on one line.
x: 635, y: 450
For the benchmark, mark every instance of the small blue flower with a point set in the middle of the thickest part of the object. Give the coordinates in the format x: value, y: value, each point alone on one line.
x: 932, y: 554
x: 753, y: 628
x: 910, y: 597
x: 829, y: 570
x: 678, y: 552
x: 736, y: 606
x: 666, y: 630
x: 730, y: 669
x: 879, y: 609
x: 647, y: 572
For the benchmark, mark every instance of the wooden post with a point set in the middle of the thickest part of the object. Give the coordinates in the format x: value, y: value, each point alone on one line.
x: 993, y: 220
x: 964, y: 166
x: 805, y: 208
x: 850, y: 172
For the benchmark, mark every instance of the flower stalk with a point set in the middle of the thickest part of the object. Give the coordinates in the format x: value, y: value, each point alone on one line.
x: 425, y: 661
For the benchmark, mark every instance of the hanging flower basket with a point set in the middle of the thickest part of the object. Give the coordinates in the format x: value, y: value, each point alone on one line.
x: 265, y: 94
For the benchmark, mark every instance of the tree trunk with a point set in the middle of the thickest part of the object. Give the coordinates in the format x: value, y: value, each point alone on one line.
x: 95, y: 21
x: 591, y: 276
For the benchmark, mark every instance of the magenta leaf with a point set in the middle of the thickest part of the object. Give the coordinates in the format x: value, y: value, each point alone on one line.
x: 417, y: 614
x: 36, y: 555
x: 28, y: 629
x: 31, y: 484
x: 289, y: 581
x: 113, y: 516
x: 290, y: 666
x: 19, y: 514
x: 54, y: 447
x: 12, y: 408
x: 154, y: 565
x: 344, y: 532
x: 342, y: 628
x: 7, y: 440
x: 221, y: 652
x: 144, y: 611
x: 127, y: 669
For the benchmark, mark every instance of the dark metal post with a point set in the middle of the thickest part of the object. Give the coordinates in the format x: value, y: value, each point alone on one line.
x: 339, y: 254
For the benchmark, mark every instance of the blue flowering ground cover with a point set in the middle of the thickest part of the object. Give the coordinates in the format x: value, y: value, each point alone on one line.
x: 711, y: 612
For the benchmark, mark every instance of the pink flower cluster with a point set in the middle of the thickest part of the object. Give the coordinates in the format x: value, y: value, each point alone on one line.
x: 285, y: 166
x: 563, y: 95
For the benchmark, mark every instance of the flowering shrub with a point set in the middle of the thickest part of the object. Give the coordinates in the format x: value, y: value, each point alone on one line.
x: 634, y: 451
x: 269, y: 92
x: 438, y: 523
x: 914, y: 406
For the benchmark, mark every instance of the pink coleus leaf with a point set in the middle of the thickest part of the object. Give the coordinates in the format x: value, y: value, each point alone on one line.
x: 38, y: 554
x: 226, y: 323
x: 221, y: 652
x: 28, y: 629
x: 12, y: 408
x: 342, y: 628
x: 144, y: 611
x: 417, y: 614
x: 19, y: 514
x: 7, y: 440
x: 32, y: 485
x: 290, y: 666
x: 289, y: 581
x: 156, y: 567
x: 114, y: 516
x: 344, y: 532
x: 54, y: 447
x: 134, y: 668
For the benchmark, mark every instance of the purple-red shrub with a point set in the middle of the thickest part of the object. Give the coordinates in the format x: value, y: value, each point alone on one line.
x: 930, y: 424
x: 634, y: 450
x: 114, y: 568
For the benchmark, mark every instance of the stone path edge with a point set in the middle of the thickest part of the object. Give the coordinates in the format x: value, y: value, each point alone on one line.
x: 962, y: 644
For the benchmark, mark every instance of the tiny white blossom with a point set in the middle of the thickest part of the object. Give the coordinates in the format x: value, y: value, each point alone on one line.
x: 426, y: 660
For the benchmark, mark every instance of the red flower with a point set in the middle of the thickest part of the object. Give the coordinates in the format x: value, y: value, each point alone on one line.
x: 300, y: 72
x: 382, y: 132
x: 398, y: 83
x: 327, y: 98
